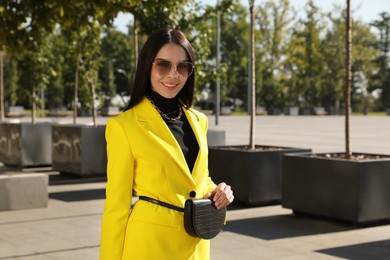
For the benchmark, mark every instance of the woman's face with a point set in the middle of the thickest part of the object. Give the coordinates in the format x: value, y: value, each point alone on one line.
x: 170, y: 70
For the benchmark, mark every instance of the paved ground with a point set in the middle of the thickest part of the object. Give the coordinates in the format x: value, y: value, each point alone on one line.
x: 69, y: 228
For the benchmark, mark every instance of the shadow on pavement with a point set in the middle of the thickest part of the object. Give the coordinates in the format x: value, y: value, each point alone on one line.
x: 284, y: 226
x: 78, y: 195
x: 371, y: 250
x: 64, y: 179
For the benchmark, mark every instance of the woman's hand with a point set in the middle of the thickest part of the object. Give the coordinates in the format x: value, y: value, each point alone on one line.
x: 222, y: 195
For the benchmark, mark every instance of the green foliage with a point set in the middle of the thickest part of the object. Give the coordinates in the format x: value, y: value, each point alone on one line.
x: 274, y: 20
x: 334, y: 58
x: 11, y: 81
x: 299, y: 62
x: 55, y: 87
x: 117, y: 66
x: 382, y: 76
x: 309, y: 69
x: 24, y: 24
x: 153, y: 15
x: 234, y: 49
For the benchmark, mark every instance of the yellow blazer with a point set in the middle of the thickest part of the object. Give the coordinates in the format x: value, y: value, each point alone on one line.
x: 144, y: 157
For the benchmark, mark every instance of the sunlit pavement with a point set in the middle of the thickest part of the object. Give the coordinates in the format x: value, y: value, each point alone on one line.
x: 69, y: 228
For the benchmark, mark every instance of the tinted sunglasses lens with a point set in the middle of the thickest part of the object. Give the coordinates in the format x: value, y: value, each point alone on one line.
x: 184, y: 68
x: 163, y: 67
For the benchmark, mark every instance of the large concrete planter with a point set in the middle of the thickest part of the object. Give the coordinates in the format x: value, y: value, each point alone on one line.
x: 291, y: 111
x: 226, y: 110
x: 354, y: 191
x: 255, y: 175
x: 274, y: 111
x: 14, y: 111
x: 79, y: 149
x: 110, y: 111
x: 260, y: 111
x: 23, y: 190
x: 25, y: 144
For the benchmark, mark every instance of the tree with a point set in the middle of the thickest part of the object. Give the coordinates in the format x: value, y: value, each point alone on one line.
x: 305, y: 59
x: 333, y: 49
x: 11, y: 78
x: 57, y: 49
x: 117, y: 68
x: 234, y: 58
x: 156, y: 14
x: 274, y: 21
x: 201, y: 28
x: 87, y: 18
x: 382, y: 77
x: 24, y: 25
x: 313, y: 65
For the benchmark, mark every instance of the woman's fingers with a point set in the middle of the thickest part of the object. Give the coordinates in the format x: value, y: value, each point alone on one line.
x: 223, y: 195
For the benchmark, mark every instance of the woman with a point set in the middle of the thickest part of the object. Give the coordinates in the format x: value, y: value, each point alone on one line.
x: 158, y: 148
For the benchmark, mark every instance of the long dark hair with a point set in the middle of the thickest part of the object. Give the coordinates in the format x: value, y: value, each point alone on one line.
x: 144, y: 67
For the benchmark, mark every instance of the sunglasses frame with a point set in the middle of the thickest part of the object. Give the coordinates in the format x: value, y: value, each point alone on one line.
x: 174, y: 66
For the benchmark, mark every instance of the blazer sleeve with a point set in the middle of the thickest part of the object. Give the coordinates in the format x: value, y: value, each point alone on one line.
x: 210, y: 184
x: 120, y: 170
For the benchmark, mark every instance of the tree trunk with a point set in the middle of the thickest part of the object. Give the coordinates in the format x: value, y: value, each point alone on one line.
x: 2, y: 113
x: 253, y: 77
x: 348, y: 46
x: 76, y: 89
x: 218, y: 82
x: 135, y: 32
x: 91, y: 83
x: 34, y: 105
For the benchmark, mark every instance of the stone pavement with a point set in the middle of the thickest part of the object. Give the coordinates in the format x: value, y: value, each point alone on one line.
x: 69, y: 228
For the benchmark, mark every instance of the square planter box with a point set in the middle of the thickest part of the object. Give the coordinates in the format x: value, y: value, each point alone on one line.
x: 291, y: 111
x: 226, y: 110
x: 25, y: 144
x: 23, y: 191
x: 255, y: 176
x: 79, y: 149
x: 110, y: 111
x: 354, y: 191
x: 261, y: 111
x: 58, y: 112
x: 14, y: 111
x: 274, y: 111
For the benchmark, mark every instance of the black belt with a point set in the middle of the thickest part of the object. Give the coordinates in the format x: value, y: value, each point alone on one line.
x: 161, y: 203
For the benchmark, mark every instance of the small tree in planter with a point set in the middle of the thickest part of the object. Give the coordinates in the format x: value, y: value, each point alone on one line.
x: 24, y: 29
x: 80, y: 149
x: 253, y: 171
x: 115, y: 65
x: 345, y: 186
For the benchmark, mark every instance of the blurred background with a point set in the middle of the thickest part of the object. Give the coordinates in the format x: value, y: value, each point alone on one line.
x: 56, y: 56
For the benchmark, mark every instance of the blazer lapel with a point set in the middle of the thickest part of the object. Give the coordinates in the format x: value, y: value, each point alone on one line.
x: 157, y: 130
x: 199, y: 133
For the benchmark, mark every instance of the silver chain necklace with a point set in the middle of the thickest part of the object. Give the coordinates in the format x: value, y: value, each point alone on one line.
x: 165, y: 115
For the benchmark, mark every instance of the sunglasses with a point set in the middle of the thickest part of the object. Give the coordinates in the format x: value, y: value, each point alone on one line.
x: 164, y: 67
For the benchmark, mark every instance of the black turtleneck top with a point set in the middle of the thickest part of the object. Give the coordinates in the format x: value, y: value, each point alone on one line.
x: 180, y: 128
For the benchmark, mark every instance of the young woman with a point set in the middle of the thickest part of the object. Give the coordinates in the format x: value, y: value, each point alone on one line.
x: 158, y: 148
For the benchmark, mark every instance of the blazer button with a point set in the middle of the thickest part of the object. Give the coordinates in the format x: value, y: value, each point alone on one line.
x: 192, y: 194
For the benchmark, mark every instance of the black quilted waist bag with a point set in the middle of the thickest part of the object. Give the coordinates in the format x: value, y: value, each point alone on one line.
x: 202, y: 219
